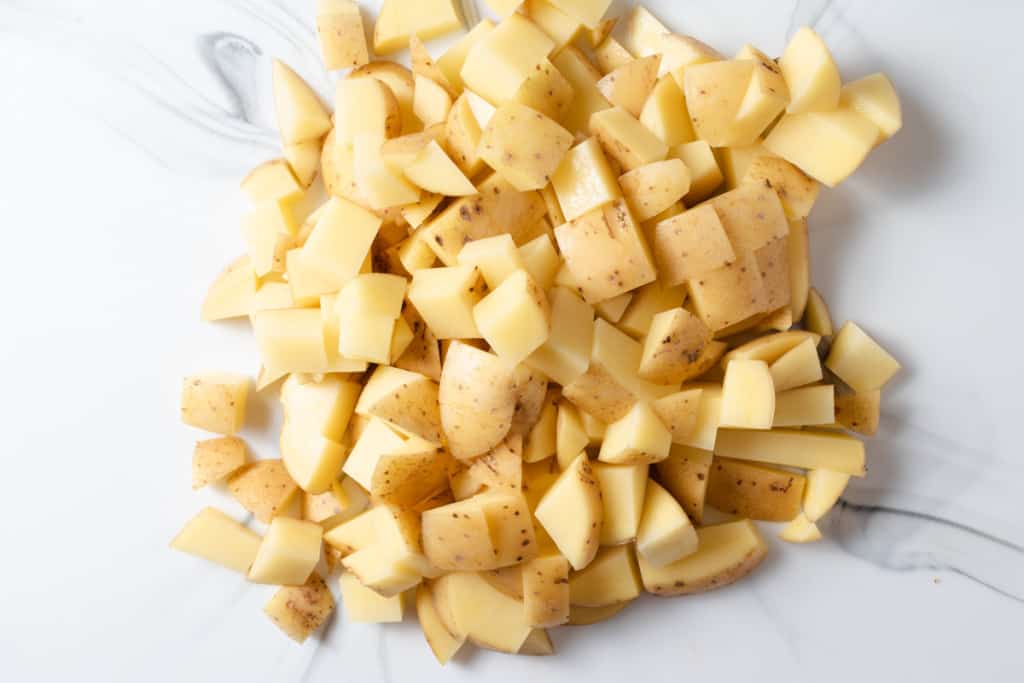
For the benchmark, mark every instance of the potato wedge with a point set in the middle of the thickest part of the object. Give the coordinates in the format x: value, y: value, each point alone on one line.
x: 754, y: 491
x: 684, y: 474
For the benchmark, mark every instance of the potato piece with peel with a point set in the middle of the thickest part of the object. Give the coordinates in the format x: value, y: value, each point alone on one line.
x: 532, y: 396
x: 622, y: 499
x: 684, y: 474
x: 410, y: 476
x: 477, y: 398
x: 794, y: 448
x: 214, y: 401
x: 859, y: 360
x: 705, y: 174
x: 571, y: 512
x: 805, y: 406
x: 691, y: 244
x: 584, y: 180
x: 301, y: 610
x: 730, y: 295
x: 647, y: 302
x: 827, y: 146
x: 382, y: 186
x: 423, y: 355
x: 214, y: 459
x: 343, y: 501
x: 748, y: 396
x: 629, y: 85
x: 514, y: 318
x: 810, y: 72
x: 584, y: 616
x: 337, y: 247
x: 678, y: 412
x: 665, y: 534
x: 541, y: 260
x: 537, y: 644
x: 637, y: 437
x: 496, y: 257
x: 709, y: 412
x: 481, y: 612
x: 765, y: 98
x: 364, y: 605
x: 611, y: 578
x: 456, y: 537
x: 545, y: 585
x: 523, y: 146
x: 365, y: 106
x: 304, y: 160
x: 502, y: 60
x: 651, y: 189
x: 859, y: 412
x: 442, y: 643
x: 817, y: 318
x: 875, y: 98
x: 288, y: 553
x: 369, y: 304
x: 665, y: 113
x: 625, y: 139
x: 462, y: 133
x: 300, y: 114
x: 725, y: 554
x: 445, y: 298
x: 752, y: 216
x: 339, y: 26
x: 797, y: 367
x: 270, y: 181
x: 796, y: 190
x: 264, y: 488
x: 399, y: 20
x: 316, y: 416
x: 714, y: 93
x: 214, y: 536
x: 673, y: 346
x: 755, y: 491
x: 771, y: 347
x: 512, y: 534
x: 799, y: 268
x: 642, y: 32
x: 823, y: 489
x: 501, y: 468
x: 547, y: 91
x: 800, y: 530
x: 405, y: 400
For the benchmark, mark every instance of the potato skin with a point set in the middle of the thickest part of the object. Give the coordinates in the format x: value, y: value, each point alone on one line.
x: 301, y: 610
x: 744, y: 566
x: 477, y: 396
x: 755, y: 491
x: 264, y: 488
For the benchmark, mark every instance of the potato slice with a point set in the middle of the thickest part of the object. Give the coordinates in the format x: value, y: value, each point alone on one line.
x: 300, y: 114
x: 684, y: 474
x: 859, y: 360
x: 805, y: 406
x: 523, y: 146
x: 875, y: 98
x: 794, y: 448
x: 400, y: 19
x: 828, y: 146
x: 571, y: 513
x: 288, y: 553
x: 705, y: 174
x: 484, y: 614
x: 651, y: 189
x: 859, y: 412
x: 545, y: 586
x: 625, y: 139
x: 675, y: 340
x: 725, y: 554
x: 637, y: 437
x: 822, y: 491
x: 477, y: 398
x: 301, y: 610
x: 363, y: 605
x: 442, y: 643
x: 405, y: 400
x: 611, y: 578
x: 748, y: 396
x: 755, y: 491
x: 584, y: 180
x: 264, y: 488
x: 514, y: 318
x: 810, y: 72
x: 214, y: 459
x: 339, y: 26
x: 622, y: 498
x: 214, y: 536
x: 665, y: 534
x: 800, y: 530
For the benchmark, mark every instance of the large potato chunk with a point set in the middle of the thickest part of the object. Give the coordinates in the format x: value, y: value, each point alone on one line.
x: 566, y: 353
x: 625, y: 139
x: 611, y: 578
x: 714, y: 93
x: 828, y: 146
x: 684, y: 473
x: 477, y: 398
x: 571, y: 513
x: 300, y: 114
x: 481, y: 612
x: 629, y: 85
x: 215, y: 459
x: 288, y: 553
x: 875, y: 98
x: 339, y: 26
x: 497, y: 66
x: 859, y: 360
x: 675, y: 340
x: 584, y: 180
x: 637, y: 437
x: 523, y: 146
x: 365, y: 605
x: 316, y: 416
x: 214, y: 536
x: 214, y: 401
x: 810, y: 72
x: 691, y: 244
x: 651, y: 189
x: 514, y: 318
x: 400, y: 19
x: 301, y: 610
x: 665, y: 534
x: 546, y: 591
x: 405, y: 400
x: 754, y: 491
x: 748, y: 396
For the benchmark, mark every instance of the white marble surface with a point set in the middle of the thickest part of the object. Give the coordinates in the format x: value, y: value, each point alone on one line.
x: 127, y: 124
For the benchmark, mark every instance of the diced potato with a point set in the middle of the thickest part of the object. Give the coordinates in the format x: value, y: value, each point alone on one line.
x: 342, y: 39
x: 651, y: 189
x: 797, y: 367
x: 214, y: 536
x: 365, y: 106
x: 822, y: 491
x: 497, y: 65
x: 400, y: 19
x: 613, y: 309
x: 401, y: 338
x: 214, y: 401
x: 665, y: 534
x: 300, y: 113
x: 424, y: 354
x: 684, y: 474
x: 629, y: 85
x: 546, y: 91
x: 705, y: 175
x: 512, y: 531
x: 301, y: 610
x: 269, y: 232
x: 765, y: 98
x: 304, y: 159
x: 523, y: 146
x: 805, y: 406
x: 611, y: 55
x: 571, y: 513
x: 364, y: 605
x: 382, y: 186
x: 725, y: 554
x: 665, y: 113
x: 264, y: 488
x: 271, y: 180
x: 462, y: 136
x: 483, y: 613
x: 214, y: 459
x: 434, y: 171
x: 288, y: 553
x: 755, y: 491
x: 410, y: 475
x: 584, y: 616
x: 714, y: 93
x: 625, y: 139
x: 583, y: 77
x: 794, y: 448
x: 752, y: 216
x: 638, y: 437
x: 691, y: 244
x: 532, y: 396
x: 875, y: 98
x: 316, y: 415
x: 678, y: 412
x: 442, y: 642
x: 541, y: 442
x: 570, y: 436
x: 673, y: 347
x: 622, y: 498
x: 338, y: 245
x: 540, y: 259
x: 374, y: 441
x: 748, y: 396
x: 495, y: 257
x: 452, y: 60
x: 594, y: 428
x: 501, y: 467
x: 770, y: 348
x: 369, y: 304
x: 859, y: 412
x: 423, y: 65
x: 647, y: 302
x: 231, y: 294
x: 430, y: 101
x: 587, y: 12
x: 405, y: 400
x: 584, y: 181
x: 828, y: 146
x: 456, y: 537
x: 545, y: 585
x: 800, y: 530
x: 445, y: 297
x: 859, y: 360
x: 810, y: 73
x: 799, y: 267
x: 734, y: 162
x: 796, y: 191
x: 477, y: 399
x: 562, y: 28
x: 731, y: 294
x: 343, y: 501
x: 642, y: 33
x: 708, y: 415
x: 606, y: 252
x: 612, y: 578
x: 514, y: 318
x: 817, y: 318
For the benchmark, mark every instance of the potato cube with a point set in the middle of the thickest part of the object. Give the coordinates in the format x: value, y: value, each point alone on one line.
x: 709, y: 412
x: 214, y: 401
x: 752, y: 216
x: 443, y: 643
x: 748, y: 396
x: 678, y: 412
x: 431, y: 101
x: 271, y: 181
x: 665, y: 534
x: 343, y: 501
x: 664, y: 113
x: 214, y: 459
x: 399, y: 20
x: 594, y: 428
x: 547, y: 91
x: 755, y: 491
x: 705, y: 175
x: 495, y: 257
x: 562, y: 28
x: 875, y: 98
x: 264, y: 488
x: 613, y: 309
x: 462, y: 133
x: 673, y: 346
x: 482, y: 612
x: 859, y: 360
x: 477, y: 396
x: 269, y: 233
x: 765, y: 98
x: 583, y: 77
x: 570, y: 436
x: 797, y: 367
x: 497, y: 65
x: 501, y: 467
x: 541, y: 442
x: 730, y: 294
x: 540, y: 259
x: 859, y: 412
x: 375, y: 441
x: 434, y: 171
x: 629, y: 85
x: 584, y: 181
x: 214, y: 536
x: 515, y: 318
x: 587, y: 12
x: 810, y: 73
x: 794, y: 448
x: 363, y: 605
x: 288, y: 553
x: 365, y: 106
x: 382, y: 186
x: 405, y: 400
x: 642, y: 32
x: 651, y: 189
x: 828, y: 146
x: 795, y: 189
x: 456, y: 537
x: 805, y: 406
x: 342, y: 39
x: 691, y: 245
x: 301, y: 610
x: 611, y: 55
x: 339, y: 244
x: 612, y: 577
x: 291, y: 340
x: 451, y: 61
x: 800, y: 530
x: 622, y: 497
x: 300, y: 114
x: 817, y: 318
x: 647, y: 302
x: 625, y: 139
x: 606, y: 252
x: 523, y: 146
x: 546, y: 591
x: 637, y: 437
x: 771, y: 347
x: 231, y: 294
x: 684, y: 474
x: 822, y: 491
x: 714, y: 93
x: 445, y: 297
x: 571, y: 513
x: 369, y: 304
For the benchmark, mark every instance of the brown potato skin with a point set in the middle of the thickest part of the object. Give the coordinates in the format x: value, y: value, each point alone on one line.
x: 755, y: 491
x: 748, y: 564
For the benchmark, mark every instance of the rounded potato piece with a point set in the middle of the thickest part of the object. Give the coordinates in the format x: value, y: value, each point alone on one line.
x: 579, y: 615
x: 477, y: 397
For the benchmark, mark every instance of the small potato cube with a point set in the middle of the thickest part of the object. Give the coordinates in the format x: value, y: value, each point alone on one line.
x: 805, y: 406
x: 412, y: 474
x: 859, y: 360
x: 810, y: 73
x: 451, y: 61
x: 231, y: 294
x: 264, y: 488
x: 678, y: 412
x: 337, y: 247
x: 714, y: 93
x: 766, y: 96
x: 214, y: 536
x: 606, y: 252
x: 214, y: 401
x: 288, y: 553
x: 214, y: 459
x: 342, y: 39
x: 625, y: 139
x: 291, y: 340
x: 369, y: 304
x: 651, y: 189
x: 611, y: 55
x: 512, y: 534
x: 541, y: 260
x: 795, y: 189
x: 399, y: 20
x: 547, y: 91
x: 571, y: 513
x: 647, y: 302
x: 501, y: 467
x: 705, y: 175
x: 364, y: 605
x: 343, y: 501
x: 797, y: 367
x: 859, y: 412
x: 611, y: 578
x: 523, y: 146
x: 637, y: 437
x: 456, y: 537
x: 828, y: 146
x: 504, y: 58
x: 622, y: 496
x: 546, y: 591
x: 375, y: 441
x: 752, y: 216
x: 560, y: 27
x: 430, y: 101
x: 434, y: 171
x: 462, y: 133
x: 424, y: 353
x: 629, y: 85
x: 300, y: 114
x: 570, y: 436
x: 730, y: 294
x: 583, y: 77
x: 587, y: 12
x: 515, y: 318
x: 665, y: 533
x: 875, y: 98
x: 705, y: 433
x: 755, y: 491
x: 495, y: 257
x: 532, y: 397
x: 405, y: 400
x: 817, y: 318
x: 684, y: 474
x: 748, y: 396
x: 673, y: 346
x: 269, y: 232
x: 665, y: 113
x: 584, y: 180
x: 690, y: 245
x: 445, y: 297
x: 301, y: 610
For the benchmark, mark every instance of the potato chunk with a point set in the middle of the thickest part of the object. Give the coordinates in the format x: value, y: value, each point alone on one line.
x: 399, y: 20
x: 828, y: 146
x: 364, y: 605
x: 859, y: 360
x: 625, y: 139
x: 665, y: 534
x: 684, y: 473
x: 665, y: 113
x: 584, y: 180
x: 214, y: 401
x: 805, y: 406
x: 214, y: 459
x: 504, y: 58
x: 405, y: 400
x: 748, y: 396
x: 301, y: 115
x: 514, y: 318
x: 691, y: 244
x: 714, y: 93
x: 301, y: 610
x: 523, y: 146
x: 571, y: 512
x: 810, y: 72
x: 610, y: 579
x: 231, y: 293
x: 673, y: 346
x: 651, y: 189
x: 678, y: 412
x: 875, y: 98
x: 445, y: 298
x: 214, y: 536
x: 731, y: 294
x: 546, y: 591
x: 800, y: 530
x: 705, y: 174
x: 629, y: 85
x: 339, y: 26
x: 754, y: 491
x: 859, y: 412
x: 622, y: 497
x: 477, y: 398
x: 797, y: 367
x: 481, y: 612
x: 264, y: 488
x: 583, y: 77
x: 288, y: 553
x: 794, y: 448
x: 637, y: 437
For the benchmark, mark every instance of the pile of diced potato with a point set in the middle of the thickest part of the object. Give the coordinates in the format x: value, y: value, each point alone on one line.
x: 555, y: 309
